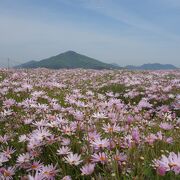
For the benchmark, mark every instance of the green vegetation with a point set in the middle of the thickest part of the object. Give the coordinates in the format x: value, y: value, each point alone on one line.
x: 69, y: 60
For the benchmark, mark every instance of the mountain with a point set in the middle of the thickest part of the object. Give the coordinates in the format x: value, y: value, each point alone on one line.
x: 153, y: 66
x: 29, y: 64
x: 115, y: 64
x: 69, y: 60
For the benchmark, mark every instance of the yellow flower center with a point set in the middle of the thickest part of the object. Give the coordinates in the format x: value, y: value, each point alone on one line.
x: 172, y: 164
x: 102, y: 158
x: 7, y: 174
x: 34, y: 166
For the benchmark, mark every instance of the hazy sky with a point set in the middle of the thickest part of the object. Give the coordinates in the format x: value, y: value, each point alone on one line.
x: 118, y: 31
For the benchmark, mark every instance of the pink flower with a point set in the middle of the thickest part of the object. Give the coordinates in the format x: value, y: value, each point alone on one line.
x: 159, y: 135
x: 37, y: 176
x: 100, y: 143
x: 6, y: 174
x: 174, y: 162
x: 169, y: 140
x: 65, y: 141
x: 23, y: 158
x: 130, y: 119
x: 63, y: 150
x: 49, y: 171
x: 99, y: 115
x: 151, y: 138
x: 22, y: 138
x: 120, y: 157
x: 67, y: 178
x: 68, y: 130
x: 144, y: 104
x: 41, y: 133
x: 73, y: 159
x: 161, y: 170
x: 110, y: 128
x: 4, y: 139
x: 93, y: 135
x: 3, y: 159
x: 9, y: 102
x: 101, y: 157
x: 8, y: 152
x: 87, y: 169
x: 166, y: 126
x: 36, y: 165
x: 135, y: 135
x: 164, y: 164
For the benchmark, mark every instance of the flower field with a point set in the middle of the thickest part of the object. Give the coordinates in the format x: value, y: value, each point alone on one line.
x: 89, y: 124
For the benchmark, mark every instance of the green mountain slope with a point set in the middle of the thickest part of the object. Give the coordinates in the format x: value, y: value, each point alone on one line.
x: 69, y: 59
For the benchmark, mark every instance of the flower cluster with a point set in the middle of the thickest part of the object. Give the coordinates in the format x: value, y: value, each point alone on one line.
x: 167, y: 163
x: 76, y: 124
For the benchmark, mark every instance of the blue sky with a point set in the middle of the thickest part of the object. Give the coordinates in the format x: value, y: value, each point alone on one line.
x: 114, y: 31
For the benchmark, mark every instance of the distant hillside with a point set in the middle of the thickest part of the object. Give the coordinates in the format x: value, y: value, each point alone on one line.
x: 29, y: 64
x: 115, y: 64
x: 69, y: 59
x: 154, y: 66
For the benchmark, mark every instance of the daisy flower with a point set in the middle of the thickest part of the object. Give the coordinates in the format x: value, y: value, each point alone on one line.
x: 166, y: 126
x: 36, y: 165
x: 111, y: 128
x: 6, y: 174
x: 49, y: 171
x: 73, y: 159
x: 64, y: 150
x: 87, y: 169
x: 100, y: 143
x: 8, y: 152
x: 101, y: 157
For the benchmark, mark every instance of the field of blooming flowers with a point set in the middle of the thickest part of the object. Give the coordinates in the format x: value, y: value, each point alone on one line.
x: 89, y: 124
